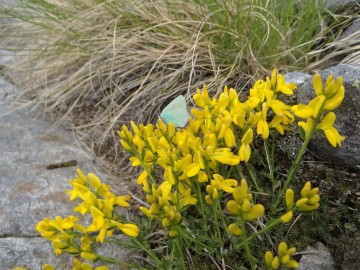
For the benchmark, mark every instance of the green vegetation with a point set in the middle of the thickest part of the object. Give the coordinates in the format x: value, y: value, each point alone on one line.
x: 120, y: 60
x: 97, y: 65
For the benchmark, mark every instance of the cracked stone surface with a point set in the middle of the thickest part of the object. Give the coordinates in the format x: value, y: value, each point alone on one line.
x: 30, y: 192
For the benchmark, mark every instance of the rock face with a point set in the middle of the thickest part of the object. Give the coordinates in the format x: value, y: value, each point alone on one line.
x: 347, y: 121
x: 340, y: 4
x: 29, y: 191
x: 317, y: 257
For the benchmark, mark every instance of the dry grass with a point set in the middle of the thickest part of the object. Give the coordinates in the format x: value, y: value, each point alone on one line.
x: 99, y: 64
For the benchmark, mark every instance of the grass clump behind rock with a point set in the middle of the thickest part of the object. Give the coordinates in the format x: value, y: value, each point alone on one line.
x: 100, y: 64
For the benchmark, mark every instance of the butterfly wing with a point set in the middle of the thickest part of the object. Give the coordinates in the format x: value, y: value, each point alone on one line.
x: 176, y: 112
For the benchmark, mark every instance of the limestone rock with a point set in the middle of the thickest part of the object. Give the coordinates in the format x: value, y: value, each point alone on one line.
x: 29, y: 191
x: 317, y: 257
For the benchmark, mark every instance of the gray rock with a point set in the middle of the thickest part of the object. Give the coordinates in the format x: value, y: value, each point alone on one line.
x: 341, y: 4
x: 347, y: 121
x: 33, y: 253
x: 296, y: 77
x: 317, y: 257
x: 353, y: 28
x: 7, y: 58
x: 29, y: 191
x: 7, y: 3
x: 30, y: 253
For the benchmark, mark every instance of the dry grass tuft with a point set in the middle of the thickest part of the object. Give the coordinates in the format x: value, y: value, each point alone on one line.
x: 100, y: 64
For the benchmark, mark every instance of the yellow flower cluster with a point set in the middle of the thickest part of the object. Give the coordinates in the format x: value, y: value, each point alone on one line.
x: 319, y: 113
x: 309, y: 201
x: 99, y: 202
x: 241, y: 206
x: 194, y: 155
x: 62, y: 231
x: 283, y: 259
x: 85, y: 266
x: 216, y: 185
x: 77, y: 266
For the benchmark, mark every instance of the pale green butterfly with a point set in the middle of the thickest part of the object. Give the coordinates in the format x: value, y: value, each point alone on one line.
x: 175, y: 112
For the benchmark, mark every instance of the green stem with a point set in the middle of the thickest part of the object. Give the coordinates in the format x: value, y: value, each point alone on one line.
x: 268, y: 227
x: 292, y: 171
x: 270, y: 161
x: 178, y: 246
x: 222, y: 216
x: 205, y: 223
x: 217, y: 224
x: 246, y: 244
x: 148, y: 251
x: 186, y: 236
x: 252, y: 173
x: 239, y: 169
x: 114, y: 261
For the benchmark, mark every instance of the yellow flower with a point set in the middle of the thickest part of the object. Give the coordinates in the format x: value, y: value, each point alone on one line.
x: 331, y: 133
x: 317, y: 84
x: 201, y: 99
x: 245, y: 149
x: 173, y: 233
x: 129, y: 229
x: 334, y: 91
x: 289, y: 199
x: 283, y: 259
x: 278, y: 106
x: 287, y: 217
x: 224, y: 184
x: 85, y: 266
x: 262, y: 126
x: 192, y: 169
x: 310, y: 198
x: 241, y: 205
x: 245, y: 152
x: 89, y: 256
x: 336, y: 100
x: 307, y: 127
x: 225, y: 156
x: 229, y: 138
x: 317, y: 105
x: 234, y: 229
x: 186, y: 198
x: 302, y: 111
x: 278, y: 81
x: 268, y: 258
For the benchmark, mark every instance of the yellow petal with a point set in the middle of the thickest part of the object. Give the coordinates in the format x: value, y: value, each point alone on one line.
x: 130, y: 229
x: 256, y: 212
x: 317, y: 84
x: 141, y: 178
x: 229, y: 138
x: 282, y: 248
x: 317, y: 104
x: 234, y: 229
x: 333, y: 136
x: 192, y: 169
x: 302, y: 111
x: 268, y: 258
x: 327, y: 122
x: 275, y: 263
x: 287, y: 217
x: 289, y: 199
x: 233, y: 207
x: 335, y: 101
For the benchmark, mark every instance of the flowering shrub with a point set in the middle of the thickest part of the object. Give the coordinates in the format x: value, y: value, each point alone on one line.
x: 202, y: 191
